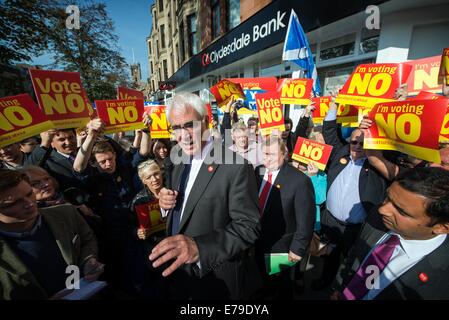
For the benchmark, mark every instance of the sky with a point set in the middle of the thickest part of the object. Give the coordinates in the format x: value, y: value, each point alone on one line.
x: 132, y: 22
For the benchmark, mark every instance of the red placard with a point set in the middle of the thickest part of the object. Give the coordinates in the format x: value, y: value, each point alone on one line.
x: 424, y: 95
x: 410, y: 126
x: 373, y: 83
x: 269, y: 108
x: 149, y: 216
x: 121, y: 115
x: 61, y: 97
x: 345, y: 113
x: 20, y: 118
x: 295, y: 91
x: 159, y: 126
x: 251, y: 87
x: 124, y: 93
x: 307, y: 151
x: 424, y: 75
x: 444, y: 67
x: 224, y: 90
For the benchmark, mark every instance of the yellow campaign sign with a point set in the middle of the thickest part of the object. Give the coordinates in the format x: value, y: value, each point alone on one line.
x: 121, y: 115
x: 159, y: 126
x: 20, y: 118
x: 371, y: 84
x: 411, y: 127
x: 295, y: 91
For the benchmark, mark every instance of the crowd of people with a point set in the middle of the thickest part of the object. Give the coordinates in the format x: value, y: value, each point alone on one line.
x: 197, y: 216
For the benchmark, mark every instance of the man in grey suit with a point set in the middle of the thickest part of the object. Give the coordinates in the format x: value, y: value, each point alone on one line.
x: 403, y: 249
x: 213, y: 218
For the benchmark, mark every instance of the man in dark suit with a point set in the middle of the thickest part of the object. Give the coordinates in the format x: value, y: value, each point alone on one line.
x: 214, y: 219
x: 56, y: 154
x: 403, y: 249
x: 287, y: 208
x: 353, y: 188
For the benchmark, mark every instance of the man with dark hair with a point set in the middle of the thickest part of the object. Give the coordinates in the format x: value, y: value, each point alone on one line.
x: 403, y: 249
x: 56, y: 154
x: 37, y: 245
x: 111, y: 185
x: 287, y: 136
x: 287, y: 209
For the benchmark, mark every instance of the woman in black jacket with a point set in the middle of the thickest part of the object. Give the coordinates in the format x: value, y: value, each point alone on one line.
x: 148, y: 228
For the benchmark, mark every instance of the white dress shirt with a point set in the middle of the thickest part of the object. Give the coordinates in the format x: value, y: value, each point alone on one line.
x: 197, y: 161
x: 405, y: 256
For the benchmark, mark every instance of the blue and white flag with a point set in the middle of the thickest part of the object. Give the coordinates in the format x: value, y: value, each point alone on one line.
x: 297, y: 49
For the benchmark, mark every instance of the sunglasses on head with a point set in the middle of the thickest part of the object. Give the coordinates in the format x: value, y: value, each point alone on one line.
x: 355, y: 142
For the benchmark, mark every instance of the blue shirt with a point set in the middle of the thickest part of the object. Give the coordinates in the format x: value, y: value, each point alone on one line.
x: 343, y: 198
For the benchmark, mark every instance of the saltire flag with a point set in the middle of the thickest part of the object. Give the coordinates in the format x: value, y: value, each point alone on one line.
x: 297, y: 49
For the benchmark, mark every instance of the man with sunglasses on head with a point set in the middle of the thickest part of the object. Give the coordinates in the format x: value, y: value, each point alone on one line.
x: 353, y: 188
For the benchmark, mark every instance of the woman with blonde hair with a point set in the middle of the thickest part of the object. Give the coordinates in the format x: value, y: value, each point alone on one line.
x: 148, y: 228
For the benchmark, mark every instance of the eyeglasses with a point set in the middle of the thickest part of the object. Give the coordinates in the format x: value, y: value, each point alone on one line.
x: 186, y: 126
x: 355, y: 142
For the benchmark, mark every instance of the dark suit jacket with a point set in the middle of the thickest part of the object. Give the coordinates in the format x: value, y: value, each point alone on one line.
x: 289, y: 215
x: 74, y: 238
x: 57, y: 166
x: 408, y: 286
x: 222, y: 216
x: 372, y: 185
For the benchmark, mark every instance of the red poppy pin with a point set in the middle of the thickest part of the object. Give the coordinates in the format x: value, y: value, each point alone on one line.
x: 210, y: 168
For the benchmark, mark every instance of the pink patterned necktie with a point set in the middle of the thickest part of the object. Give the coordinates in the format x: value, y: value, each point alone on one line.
x: 380, y: 256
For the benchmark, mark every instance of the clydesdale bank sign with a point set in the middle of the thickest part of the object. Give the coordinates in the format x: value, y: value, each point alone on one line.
x: 246, y: 39
x: 264, y: 30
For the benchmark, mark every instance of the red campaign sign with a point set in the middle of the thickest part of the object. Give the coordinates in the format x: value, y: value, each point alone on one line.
x: 159, y: 126
x: 121, y: 115
x: 61, y: 97
x: 269, y: 108
x: 424, y: 95
x: 20, y: 118
x: 124, y: 93
x: 424, y: 75
x: 209, y: 114
x: 410, y: 126
x: 251, y: 87
x: 149, y: 216
x: 373, y: 83
x: 345, y: 113
x: 444, y: 67
x: 295, y: 91
x: 307, y: 151
x: 224, y: 90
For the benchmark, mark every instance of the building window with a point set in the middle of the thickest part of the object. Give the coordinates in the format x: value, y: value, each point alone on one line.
x: 164, y: 64
x: 191, y: 23
x: 215, y: 6
x: 232, y: 13
x: 369, y: 41
x: 162, y: 30
x: 161, y: 5
x: 149, y: 48
x: 343, y: 46
x: 151, y: 68
x: 181, y: 42
x: 179, y: 56
x: 157, y: 48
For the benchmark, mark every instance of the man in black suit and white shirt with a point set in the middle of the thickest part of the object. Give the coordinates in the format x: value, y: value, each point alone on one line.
x: 403, y: 249
x: 287, y: 207
x: 56, y: 154
x: 214, y: 217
